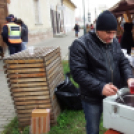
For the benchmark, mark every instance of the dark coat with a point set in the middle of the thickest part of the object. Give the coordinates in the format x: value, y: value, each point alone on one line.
x: 76, y: 27
x: 127, y: 39
x: 24, y: 32
x: 94, y: 64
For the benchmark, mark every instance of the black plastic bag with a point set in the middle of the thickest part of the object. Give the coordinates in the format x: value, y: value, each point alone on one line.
x: 68, y: 95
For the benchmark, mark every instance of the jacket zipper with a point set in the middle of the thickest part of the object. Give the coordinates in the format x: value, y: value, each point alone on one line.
x: 110, y: 66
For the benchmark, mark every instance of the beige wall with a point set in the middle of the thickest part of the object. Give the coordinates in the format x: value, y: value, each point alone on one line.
x: 25, y: 10
x: 69, y: 16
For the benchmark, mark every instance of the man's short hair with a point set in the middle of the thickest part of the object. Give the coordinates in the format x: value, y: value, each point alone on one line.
x: 8, y: 19
x: 19, y: 21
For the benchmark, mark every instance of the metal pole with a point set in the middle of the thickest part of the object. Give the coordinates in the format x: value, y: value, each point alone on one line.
x: 88, y: 13
x: 95, y: 13
x: 84, y: 17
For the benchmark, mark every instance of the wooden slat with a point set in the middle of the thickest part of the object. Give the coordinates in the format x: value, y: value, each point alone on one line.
x: 23, y: 61
x: 30, y: 102
x: 31, y: 84
x: 52, y: 59
x: 24, y: 115
x: 34, y: 106
x: 23, y: 125
x: 26, y: 75
x: 52, y: 69
x: 57, y: 64
x: 29, y: 111
x: 29, y: 115
x: 26, y: 70
x: 53, y: 63
x: 54, y: 74
x: 22, y: 120
x: 23, y: 80
x: 14, y: 66
x: 56, y: 81
x: 30, y: 93
x: 31, y: 98
x: 49, y: 56
x: 24, y: 111
x: 34, y: 89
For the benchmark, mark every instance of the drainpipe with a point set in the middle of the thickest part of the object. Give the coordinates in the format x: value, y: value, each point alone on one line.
x: 62, y: 13
x: 84, y: 28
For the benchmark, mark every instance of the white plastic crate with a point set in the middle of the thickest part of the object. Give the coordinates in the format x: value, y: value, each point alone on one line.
x: 117, y: 116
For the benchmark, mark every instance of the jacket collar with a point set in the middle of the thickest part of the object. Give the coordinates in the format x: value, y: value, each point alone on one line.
x: 96, y: 37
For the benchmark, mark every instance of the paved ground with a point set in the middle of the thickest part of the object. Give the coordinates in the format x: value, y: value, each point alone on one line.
x: 63, y: 42
x: 7, y: 111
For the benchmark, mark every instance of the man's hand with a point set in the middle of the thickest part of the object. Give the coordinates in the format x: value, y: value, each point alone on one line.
x: 109, y: 90
x: 129, y: 81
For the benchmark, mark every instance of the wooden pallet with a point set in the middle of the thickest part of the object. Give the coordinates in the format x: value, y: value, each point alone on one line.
x: 32, y: 80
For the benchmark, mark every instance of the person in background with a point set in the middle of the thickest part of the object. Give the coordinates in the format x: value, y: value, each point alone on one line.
x: 12, y: 17
x: 94, y: 23
x: 76, y: 29
x: 98, y: 65
x: 127, y: 39
x: 15, y: 19
x: 11, y: 34
x: 24, y: 33
x: 87, y: 28
x: 91, y: 28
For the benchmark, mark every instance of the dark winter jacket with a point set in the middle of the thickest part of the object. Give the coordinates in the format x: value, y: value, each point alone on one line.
x: 94, y: 64
x: 76, y: 27
x: 24, y: 32
x: 127, y: 40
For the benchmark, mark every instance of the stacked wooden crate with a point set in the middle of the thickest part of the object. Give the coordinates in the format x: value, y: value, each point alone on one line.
x: 32, y: 78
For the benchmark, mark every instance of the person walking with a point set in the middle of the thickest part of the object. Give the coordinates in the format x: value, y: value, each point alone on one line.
x: 76, y: 29
x: 11, y: 34
x: 24, y: 33
x: 127, y: 38
x: 87, y: 28
x: 98, y: 65
x: 91, y: 28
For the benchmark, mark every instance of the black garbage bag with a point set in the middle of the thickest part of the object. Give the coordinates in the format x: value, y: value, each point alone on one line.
x: 68, y: 95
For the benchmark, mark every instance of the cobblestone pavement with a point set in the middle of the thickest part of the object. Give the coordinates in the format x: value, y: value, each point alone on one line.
x: 7, y: 111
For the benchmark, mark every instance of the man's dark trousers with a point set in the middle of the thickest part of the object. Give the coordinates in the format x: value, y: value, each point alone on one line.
x: 14, y: 48
x: 93, y: 114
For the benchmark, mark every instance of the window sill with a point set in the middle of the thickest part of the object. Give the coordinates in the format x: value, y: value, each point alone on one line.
x: 38, y: 24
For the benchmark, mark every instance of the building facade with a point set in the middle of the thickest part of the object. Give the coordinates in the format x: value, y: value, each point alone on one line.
x: 44, y: 18
x: 36, y: 15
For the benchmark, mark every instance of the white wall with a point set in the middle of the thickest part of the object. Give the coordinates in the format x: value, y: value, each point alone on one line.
x: 69, y: 19
x: 24, y: 9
